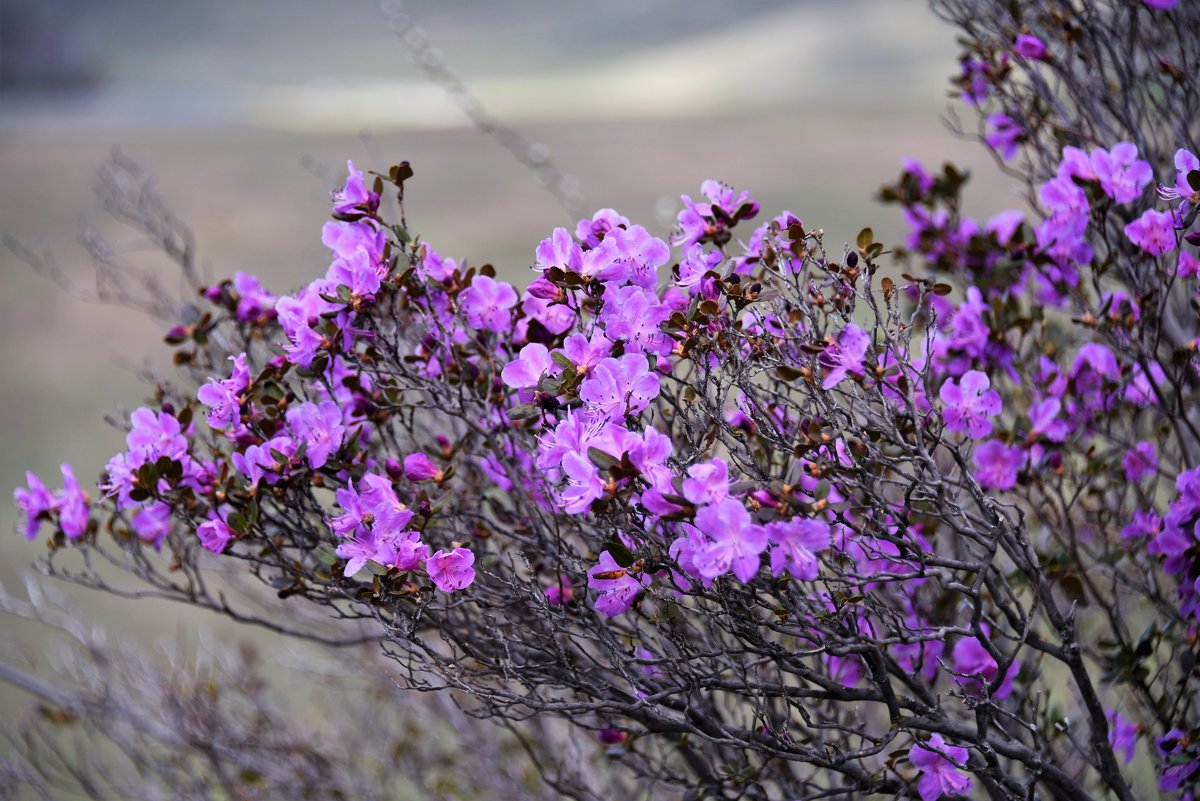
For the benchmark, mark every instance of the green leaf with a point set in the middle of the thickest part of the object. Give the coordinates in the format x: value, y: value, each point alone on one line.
x: 524, y: 411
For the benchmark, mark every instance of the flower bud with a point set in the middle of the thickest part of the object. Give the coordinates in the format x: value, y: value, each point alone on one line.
x: 419, y: 467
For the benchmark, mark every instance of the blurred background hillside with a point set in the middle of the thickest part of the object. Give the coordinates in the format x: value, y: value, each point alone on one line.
x: 246, y: 112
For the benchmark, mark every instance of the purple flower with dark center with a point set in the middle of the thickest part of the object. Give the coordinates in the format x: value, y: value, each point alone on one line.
x: 223, y: 396
x: 354, y: 196
x: 1122, y: 734
x: 36, y: 503
x: 451, y: 570
x: 618, y: 587
x: 321, y: 427
x: 1170, y: 746
x: 592, y: 232
x: 1185, y: 164
x: 700, y: 220
x: 969, y: 404
x: 1140, y: 461
x: 487, y: 303
x: 1122, y: 175
x: 618, y: 387
x: 997, y: 465
x: 1004, y: 136
x: 845, y: 356
x: 214, y: 533
x: 795, y: 545
x: 1030, y: 47
x: 1153, y: 232
x: 938, y: 764
x: 736, y: 541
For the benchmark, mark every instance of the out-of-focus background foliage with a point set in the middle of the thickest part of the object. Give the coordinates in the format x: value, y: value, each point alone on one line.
x: 246, y: 112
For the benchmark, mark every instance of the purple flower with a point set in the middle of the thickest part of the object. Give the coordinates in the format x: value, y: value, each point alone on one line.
x: 357, y: 272
x: 346, y: 238
x: 592, y: 232
x: 618, y: 387
x: 844, y: 356
x: 796, y: 544
x: 223, y: 396
x: 1122, y: 175
x: 1030, y: 47
x: 152, y: 436
x: 1045, y: 421
x: 36, y: 504
x: 707, y: 482
x: 72, y: 503
x: 700, y: 220
x: 1145, y: 523
x: 736, y: 541
x: 560, y: 593
x: 561, y: 251
x: 263, y: 461
x: 319, y: 426
x: 1161, y: 5
x: 618, y: 587
x: 969, y: 404
x: 419, y: 467
x: 214, y: 533
x: 633, y: 315
x: 254, y: 303
x: 487, y: 303
x: 696, y: 262
x: 451, y: 571
x: 1003, y: 139
x: 354, y: 196
x: 627, y: 255
x: 1153, y: 232
x: 525, y: 371
x: 1185, y: 164
x: 584, y: 484
x: 938, y: 763
x: 997, y: 465
x: 1122, y: 734
x: 974, y: 81
x: 976, y: 665
x: 152, y: 523
x: 1140, y: 461
x: 1170, y: 746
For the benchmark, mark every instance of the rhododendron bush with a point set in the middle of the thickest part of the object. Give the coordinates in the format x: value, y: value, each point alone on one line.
x: 770, y: 515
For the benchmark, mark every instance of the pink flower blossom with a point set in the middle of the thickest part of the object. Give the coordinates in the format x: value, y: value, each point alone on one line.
x: 487, y: 303
x: 214, y: 533
x: 618, y: 587
x: 1153, y: 232
x: 997, y: 465
x: 845, y: 356
x: 938, y: 764
x: 1122, y: 175
x: 1028, y: 46
x: 451, y: 570
x: 736, y: 541
x: 1140, y: 461
x: 969, y: 404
